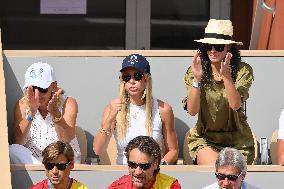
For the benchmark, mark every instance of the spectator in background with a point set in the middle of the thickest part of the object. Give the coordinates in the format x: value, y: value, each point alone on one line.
x: 136, y: 112
x: 217, y: 85
x: 44, y: 115
x: 143, y: 157
x: 58, y: 160
x: 231, y: 168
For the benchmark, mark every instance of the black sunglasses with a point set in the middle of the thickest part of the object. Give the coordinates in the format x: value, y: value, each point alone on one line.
x: 137, y: 77
x: 143, y: 166
x: 221, y: 176
x: 208, y: 47
x: 60, y: 166
x: 41, y: 90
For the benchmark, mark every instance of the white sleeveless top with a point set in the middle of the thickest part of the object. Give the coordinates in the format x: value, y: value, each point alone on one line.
x: 42, y: 133
x: 136, y: 128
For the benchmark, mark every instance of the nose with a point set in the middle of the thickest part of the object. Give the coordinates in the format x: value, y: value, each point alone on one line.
x: 226, y: 182
x: 213, y: 49
x: 54, y: 170
x: 138, y: 170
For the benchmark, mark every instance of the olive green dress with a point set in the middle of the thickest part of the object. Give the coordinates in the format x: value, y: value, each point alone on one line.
x: 219, y: 126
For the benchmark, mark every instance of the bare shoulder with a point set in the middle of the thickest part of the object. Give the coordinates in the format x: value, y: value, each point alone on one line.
x: 164, y: 106
x: 71, y: 100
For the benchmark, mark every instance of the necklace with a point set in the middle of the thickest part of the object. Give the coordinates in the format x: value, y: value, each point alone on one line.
x: 134, y: 115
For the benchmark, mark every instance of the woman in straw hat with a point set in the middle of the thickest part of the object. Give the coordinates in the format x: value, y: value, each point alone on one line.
x: 44, y: 115
x: 218, y: 83
x: 136, y: 112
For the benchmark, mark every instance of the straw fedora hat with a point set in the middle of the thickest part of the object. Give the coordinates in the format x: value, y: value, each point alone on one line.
x: 218, y: 32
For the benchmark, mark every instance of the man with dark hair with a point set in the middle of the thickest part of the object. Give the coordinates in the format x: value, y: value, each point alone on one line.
x: 144, y: 157
x: 58, y: 160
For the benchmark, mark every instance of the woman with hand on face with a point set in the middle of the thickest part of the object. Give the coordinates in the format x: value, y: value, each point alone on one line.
x: 218, y: 83
x: 136, y: 112
x: 44, y: 115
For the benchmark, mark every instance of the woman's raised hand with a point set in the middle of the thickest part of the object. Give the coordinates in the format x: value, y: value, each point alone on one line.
x: 33, y: 99
x: 115, y: 107
x: 196, y: 67
x: 52, y: 106
x: 225, y: 70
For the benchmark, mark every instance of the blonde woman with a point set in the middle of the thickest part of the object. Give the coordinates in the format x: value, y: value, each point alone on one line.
x: 44, y: 115
x: 136, y: 113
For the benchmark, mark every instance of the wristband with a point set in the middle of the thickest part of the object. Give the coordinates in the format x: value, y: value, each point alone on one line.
x: 103, y: 131
x: 196, y: 85
x: 29, y: 117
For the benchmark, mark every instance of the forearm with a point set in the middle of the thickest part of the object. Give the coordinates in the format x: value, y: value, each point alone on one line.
x: 171, y: 156
x: 102, y: 139
x: 21, y: 131
x: 193, y: 101
x: 233, y: 96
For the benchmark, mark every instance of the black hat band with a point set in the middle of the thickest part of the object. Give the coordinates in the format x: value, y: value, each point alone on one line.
x: 218, y: 36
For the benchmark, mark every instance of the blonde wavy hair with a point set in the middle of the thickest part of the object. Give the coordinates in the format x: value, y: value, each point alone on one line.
x: 123, y: 118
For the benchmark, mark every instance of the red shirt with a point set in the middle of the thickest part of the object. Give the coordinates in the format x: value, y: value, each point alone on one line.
x: 125, y: 182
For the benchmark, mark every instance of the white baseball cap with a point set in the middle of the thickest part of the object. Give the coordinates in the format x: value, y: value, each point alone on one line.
x: 39, y: 74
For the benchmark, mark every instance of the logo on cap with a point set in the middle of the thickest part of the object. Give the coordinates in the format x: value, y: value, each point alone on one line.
x: 36, y: 73
x: 133, y: 59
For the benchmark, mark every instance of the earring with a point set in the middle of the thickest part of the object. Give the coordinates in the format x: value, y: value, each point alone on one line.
x: 144, y: 95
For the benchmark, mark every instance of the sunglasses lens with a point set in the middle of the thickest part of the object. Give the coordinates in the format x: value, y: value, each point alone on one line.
x: 61, y: 166
x: 126, y: 78
x: 138, y: 76
x: 232, y: 177
x: 219, y: 48
x: 145, y: 166
x: 132, y: 165
x: 49, y: 166
x: 41, y: 90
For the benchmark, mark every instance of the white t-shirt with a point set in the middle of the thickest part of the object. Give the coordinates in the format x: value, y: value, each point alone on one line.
x: 245, y: 185
x: 136, y: 128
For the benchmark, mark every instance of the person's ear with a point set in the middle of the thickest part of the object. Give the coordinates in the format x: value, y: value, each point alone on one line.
x: 243, y: 176
x: 71, y: 165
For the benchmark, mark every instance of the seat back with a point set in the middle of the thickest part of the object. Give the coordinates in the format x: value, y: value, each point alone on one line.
x: 186, y: 157
x: 109, y: 156
x: 82, y: 139
x: 273, y: 146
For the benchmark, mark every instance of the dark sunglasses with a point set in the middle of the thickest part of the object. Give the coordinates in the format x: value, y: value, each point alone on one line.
x: 143, y: 166
x: 41, y: 90
x: 208, y: 47
x: 221, y: 176
x: 60, y: 166
x: 137, y: 77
